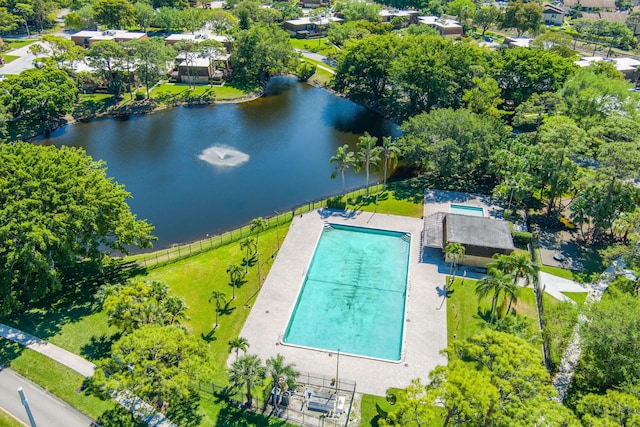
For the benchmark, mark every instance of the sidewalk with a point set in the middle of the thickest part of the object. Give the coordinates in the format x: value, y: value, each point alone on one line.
x: 554, y: 286
x: 82, y: 366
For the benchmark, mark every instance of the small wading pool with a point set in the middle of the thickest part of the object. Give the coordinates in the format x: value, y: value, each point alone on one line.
x: 466, y: 210
x: 353, y: 297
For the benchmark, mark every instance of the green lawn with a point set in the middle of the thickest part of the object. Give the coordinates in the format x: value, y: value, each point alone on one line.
x: 578, y: 297
x: 7, y: 420
x: 60, y: 381
x: 17, y: 43
x: 319, y: 64
x: 369, y: 414
x: 9, y: 58
x: 181, y: 90
x: 558, y: 271
x: 321, y: 77
x: 320, y: 46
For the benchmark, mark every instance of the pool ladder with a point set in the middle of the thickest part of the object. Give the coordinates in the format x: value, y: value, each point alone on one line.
x: 406, y: 237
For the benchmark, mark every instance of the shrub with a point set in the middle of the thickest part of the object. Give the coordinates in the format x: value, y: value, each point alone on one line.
x: 140, y: 96
x: 522, y: 237
x: 336, y: 203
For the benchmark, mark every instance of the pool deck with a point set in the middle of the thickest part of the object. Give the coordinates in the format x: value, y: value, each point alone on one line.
x: 425, y: 332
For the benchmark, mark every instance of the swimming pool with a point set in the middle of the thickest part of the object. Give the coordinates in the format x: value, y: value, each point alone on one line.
x: 466, y: 210
x: 354, y: 294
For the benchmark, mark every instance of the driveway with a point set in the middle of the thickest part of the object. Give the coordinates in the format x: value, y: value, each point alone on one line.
x: 24, y: 62
x: 46, y: 409
x: 554, y: 286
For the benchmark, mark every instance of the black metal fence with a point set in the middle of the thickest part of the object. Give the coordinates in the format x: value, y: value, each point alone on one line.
x: 294, y: 409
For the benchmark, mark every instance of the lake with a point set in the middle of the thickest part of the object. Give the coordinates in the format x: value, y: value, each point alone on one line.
x: 201, y: 170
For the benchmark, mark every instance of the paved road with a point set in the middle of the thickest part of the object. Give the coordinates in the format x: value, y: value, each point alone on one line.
x: 554, y: 286
x: 47, y: 409
x: 24, y: 62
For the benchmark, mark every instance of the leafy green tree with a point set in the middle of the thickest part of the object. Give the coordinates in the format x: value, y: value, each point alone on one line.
x: 283, y: 376
x: 81, y: 19
x: 57, y: 207
x: 484, y: 97
x: 452, y: 143
x: 151, y: 58
x: 62, y: 51
x: 46, y: 94
x: 523, y: 72
x: 106, y: 57
x: 220, y: 298
x: 496, y: 282
x: 159, y: 364
x: 114, y: 13
x: 339, y: 35
x: 368, y: 154
x: 26, y: 13
x: 363, y: 70
x: 260, y: 52
x: 555, y: 41
x: 248, y: 372
x: 8, y: 21
x: 487, y: 16
x: 612, y: 408
x: 560, y: 141
x: 144, y: 15
x: 238, y: 344
x: 523, y: 17
x: 593, y: 99
x: 343, y: 160
x: 463, y: 10
x: 353, y: 10
x: 432, y: 72
x: 168, y: 18
x: 305, y: 70
x: 139, y: 302
x: 610, y: 345
x: 390, y: 153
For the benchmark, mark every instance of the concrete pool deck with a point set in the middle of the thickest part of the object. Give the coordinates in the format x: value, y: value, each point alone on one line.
x: 425, y: 332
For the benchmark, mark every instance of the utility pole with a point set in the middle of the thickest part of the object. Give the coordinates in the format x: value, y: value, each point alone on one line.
x: 25, y: 403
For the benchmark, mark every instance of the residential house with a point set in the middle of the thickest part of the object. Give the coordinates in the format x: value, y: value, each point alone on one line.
x: 408, y: 17
x: 446, y: 27
x: 196, y: 69
x: 85, y: 38
x: 627, y: 66
x: 226, y: 41
x: 310, y: 27
x: 591, y: 5
x: 553, y: 15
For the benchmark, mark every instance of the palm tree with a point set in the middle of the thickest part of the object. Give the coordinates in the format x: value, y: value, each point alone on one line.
x: 519, y: 266
x: 344, y: 160
x: 368, y: 154
x: 220, y: 298
x: 175, y: 309
x: 259, y: 224
x: 455, y: 253
x: 235, y: 277
x: 390, y: 153
x: 238, y: 343
x: 250, y: 245
x: 512, y: 290
x: 495, y: 281
x: 283, y: 375
x: 247, y: 371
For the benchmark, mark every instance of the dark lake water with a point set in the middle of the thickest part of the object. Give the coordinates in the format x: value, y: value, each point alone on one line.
x: 289, y: 135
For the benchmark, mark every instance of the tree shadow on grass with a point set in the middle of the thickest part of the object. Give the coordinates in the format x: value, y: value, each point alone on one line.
x: 9, y: 351
x: 75, y: 299
x: 232, y: 416
x: 99, y: 347
x: 209, y: 336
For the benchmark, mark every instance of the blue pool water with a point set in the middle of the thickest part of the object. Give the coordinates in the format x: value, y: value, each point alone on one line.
x: 466, y: 210
x: 353, y: 297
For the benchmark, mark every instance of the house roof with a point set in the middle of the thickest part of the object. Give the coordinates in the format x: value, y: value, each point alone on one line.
x: 198, y: 37
x: 550, y: 8
x: 621, y: 64
x: 518, y: 41
x: 591, y: 16
x: 439, y: 22
x: 479, y: 232
x: 604, y: 4
x: 396, y: 12
x: 306, y: 20
x: 108, y: 34
x: 614, y: 16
